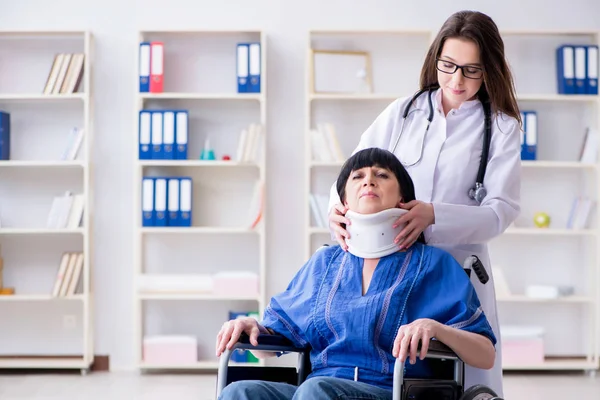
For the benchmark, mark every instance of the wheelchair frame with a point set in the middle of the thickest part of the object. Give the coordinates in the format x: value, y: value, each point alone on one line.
x: 277, y: 343
x: 401, y: 386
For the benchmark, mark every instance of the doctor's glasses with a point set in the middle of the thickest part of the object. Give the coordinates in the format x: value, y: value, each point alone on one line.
x: 468, y: 71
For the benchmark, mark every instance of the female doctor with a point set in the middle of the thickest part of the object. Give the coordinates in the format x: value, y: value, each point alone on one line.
x: 459, y: 139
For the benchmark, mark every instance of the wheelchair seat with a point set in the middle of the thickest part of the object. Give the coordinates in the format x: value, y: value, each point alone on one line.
x: 446, y: 386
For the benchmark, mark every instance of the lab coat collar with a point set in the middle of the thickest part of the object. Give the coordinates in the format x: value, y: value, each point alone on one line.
x: 467, y: 105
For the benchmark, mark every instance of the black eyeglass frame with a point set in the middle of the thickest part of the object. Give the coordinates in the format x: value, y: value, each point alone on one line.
x: 456, y: 66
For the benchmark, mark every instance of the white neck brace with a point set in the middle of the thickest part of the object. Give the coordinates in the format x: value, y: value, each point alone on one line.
x: 372, y: 235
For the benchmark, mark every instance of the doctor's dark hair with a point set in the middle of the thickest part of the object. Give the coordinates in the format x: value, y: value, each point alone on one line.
x: 377, y: 157
x: 498, y: 86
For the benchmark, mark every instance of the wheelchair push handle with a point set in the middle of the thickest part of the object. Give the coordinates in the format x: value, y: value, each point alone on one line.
x: 473, y: 263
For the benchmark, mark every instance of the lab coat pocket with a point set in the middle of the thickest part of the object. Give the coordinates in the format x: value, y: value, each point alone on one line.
x: 412, y: 140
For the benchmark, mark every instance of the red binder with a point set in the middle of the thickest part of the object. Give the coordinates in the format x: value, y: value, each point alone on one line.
x: 156, y: 67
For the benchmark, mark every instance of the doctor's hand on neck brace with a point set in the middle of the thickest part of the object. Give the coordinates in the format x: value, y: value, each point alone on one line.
x: 372, y: 235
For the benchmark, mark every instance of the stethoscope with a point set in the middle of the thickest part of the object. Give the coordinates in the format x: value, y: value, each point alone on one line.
x: 477, y: 192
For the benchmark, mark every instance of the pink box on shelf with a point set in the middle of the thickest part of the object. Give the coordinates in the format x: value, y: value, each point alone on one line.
x: 236, y: 284
x: 170, y: 349
x: 522, y: 345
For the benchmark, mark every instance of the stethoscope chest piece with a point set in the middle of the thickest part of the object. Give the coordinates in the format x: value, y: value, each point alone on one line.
x: 478, y: 192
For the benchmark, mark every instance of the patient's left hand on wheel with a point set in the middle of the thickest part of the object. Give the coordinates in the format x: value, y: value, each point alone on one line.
x: 408, y: 337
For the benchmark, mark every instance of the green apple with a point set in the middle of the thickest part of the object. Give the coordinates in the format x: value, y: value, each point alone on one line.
x: 541, y: 220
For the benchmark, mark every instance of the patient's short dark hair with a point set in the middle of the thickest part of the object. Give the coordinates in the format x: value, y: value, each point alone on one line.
x: 381, y: 158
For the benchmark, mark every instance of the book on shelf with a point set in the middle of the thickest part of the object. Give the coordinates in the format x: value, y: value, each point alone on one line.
x: 250, y: 143
x: 589, y: 148
x: 255, y: 212
x: 74, y: 141
x: 66, y: 211
x: 318, y: 208
x: 69, y: 274
x: 580, y: 213
x: 65, y: 74
x: 325, y: 145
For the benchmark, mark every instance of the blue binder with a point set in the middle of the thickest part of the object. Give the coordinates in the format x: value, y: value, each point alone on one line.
x: 529, y: 149
x: 144, y: 71
x: 157, y: 135
x: 147, y: 201
x: 173, y: 203
x: 160, y: 201
x: 580, y: 69
x: 592, y: 70
x: 4, y: 135
x: 145, y: 135
x: 185, y: 201
x: 181, y: 135
x: 242, y: 67
x: 565, y: 69
x: 254, y: 68
x: 168, y: 134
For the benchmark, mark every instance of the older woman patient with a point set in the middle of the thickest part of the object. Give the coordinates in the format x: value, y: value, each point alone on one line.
x: 360, y: 312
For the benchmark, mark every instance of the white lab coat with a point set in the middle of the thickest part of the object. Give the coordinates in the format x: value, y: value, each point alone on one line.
x: 446, y: 161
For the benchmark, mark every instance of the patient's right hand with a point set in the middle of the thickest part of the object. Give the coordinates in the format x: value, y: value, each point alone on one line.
x: 231, y: 330
x: 336, y: 218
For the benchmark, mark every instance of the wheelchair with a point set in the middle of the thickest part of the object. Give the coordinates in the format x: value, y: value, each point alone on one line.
x: 445, y: 388
x: 446, y: 365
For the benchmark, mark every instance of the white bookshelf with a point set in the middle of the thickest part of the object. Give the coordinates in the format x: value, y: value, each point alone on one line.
x: 200, y: 76
x: 526, y: 254
x: 555, y: 255
x: 40, y: 125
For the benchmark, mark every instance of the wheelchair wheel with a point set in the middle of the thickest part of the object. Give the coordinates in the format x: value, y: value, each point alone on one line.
x: 479, y: 392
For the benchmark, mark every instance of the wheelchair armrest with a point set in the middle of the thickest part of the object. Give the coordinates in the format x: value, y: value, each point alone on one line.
x: 268, y: 343
x: 438, y: 349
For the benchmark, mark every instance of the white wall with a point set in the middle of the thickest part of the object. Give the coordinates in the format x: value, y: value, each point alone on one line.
x: 114, y: 24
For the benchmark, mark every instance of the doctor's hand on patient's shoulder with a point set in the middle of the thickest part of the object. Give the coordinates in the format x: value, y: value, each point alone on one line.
x: 231, y: 330
x: 336, y: 218
x: 419, y: 216
x: 408, y: 337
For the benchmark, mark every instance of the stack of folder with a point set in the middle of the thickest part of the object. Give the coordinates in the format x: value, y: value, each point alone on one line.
x: 577, y: 69
x: 248, y: 67
x: 163, y: 134
x: 166, y: 201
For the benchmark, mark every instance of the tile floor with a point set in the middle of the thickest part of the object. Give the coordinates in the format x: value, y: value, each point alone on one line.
x: 136, y: 386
